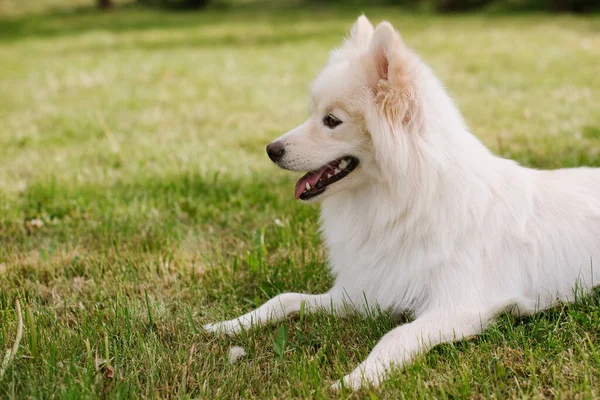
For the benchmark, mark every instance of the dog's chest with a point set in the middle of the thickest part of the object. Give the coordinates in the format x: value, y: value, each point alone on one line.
x: 376, y: 262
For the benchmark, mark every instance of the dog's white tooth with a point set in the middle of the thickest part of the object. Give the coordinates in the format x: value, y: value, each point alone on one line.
x: 337, y: 171
x: 329, y: 175
x: 307, y: 186
x: 343, y: 164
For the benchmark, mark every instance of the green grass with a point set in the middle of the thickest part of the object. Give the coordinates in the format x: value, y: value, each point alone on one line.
x: 136, y: 201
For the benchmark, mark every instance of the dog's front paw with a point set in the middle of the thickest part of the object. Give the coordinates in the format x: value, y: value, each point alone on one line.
x: 363, y: 376
x: 352, y: 382
x: 231, y: 327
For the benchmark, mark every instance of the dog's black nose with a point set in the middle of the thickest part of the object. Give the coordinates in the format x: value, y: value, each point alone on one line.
x: 275, y: 151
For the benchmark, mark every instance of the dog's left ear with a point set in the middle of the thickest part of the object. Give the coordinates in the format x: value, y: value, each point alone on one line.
x: 393, y: 67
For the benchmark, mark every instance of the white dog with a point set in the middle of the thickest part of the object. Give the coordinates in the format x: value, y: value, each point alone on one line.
x: 418, y: 215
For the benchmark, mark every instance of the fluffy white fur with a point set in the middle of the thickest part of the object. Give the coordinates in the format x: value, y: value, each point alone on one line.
x: 430, y: 222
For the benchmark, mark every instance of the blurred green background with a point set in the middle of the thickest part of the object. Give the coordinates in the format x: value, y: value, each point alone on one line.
x: 8, y: 7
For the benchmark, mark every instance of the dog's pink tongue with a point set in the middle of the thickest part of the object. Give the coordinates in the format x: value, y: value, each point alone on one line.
x: 311, y: 178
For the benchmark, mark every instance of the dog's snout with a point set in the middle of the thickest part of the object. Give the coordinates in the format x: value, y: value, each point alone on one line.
x: 275, y: 151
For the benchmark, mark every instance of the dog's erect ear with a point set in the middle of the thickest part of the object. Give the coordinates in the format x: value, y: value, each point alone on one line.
x: 390, y: 54
x: 359, y: 39
x: 393, y: 72
x: 360, y: 34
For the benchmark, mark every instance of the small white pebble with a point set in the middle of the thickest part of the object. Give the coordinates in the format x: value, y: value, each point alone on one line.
x: 235, y: 353
x: 36, y: 223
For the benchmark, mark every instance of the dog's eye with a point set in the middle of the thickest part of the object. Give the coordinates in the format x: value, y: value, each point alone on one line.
x: 330, y: 121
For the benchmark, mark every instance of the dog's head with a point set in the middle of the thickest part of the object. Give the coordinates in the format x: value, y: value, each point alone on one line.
x: 362, y: 111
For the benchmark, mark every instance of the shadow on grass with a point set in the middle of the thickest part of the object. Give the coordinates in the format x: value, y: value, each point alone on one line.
x: 178, y: 199
x: 125, y: 231
x: 216, y: 218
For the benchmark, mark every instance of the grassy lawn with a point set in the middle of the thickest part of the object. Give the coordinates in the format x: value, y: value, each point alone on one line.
x: 137, y: 202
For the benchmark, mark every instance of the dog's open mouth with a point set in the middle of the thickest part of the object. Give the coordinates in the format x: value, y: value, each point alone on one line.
x: 314, y: 183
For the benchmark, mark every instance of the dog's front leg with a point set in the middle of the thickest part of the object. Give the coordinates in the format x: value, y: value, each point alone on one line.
x: 277, y: 309
x: 400, y: 346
